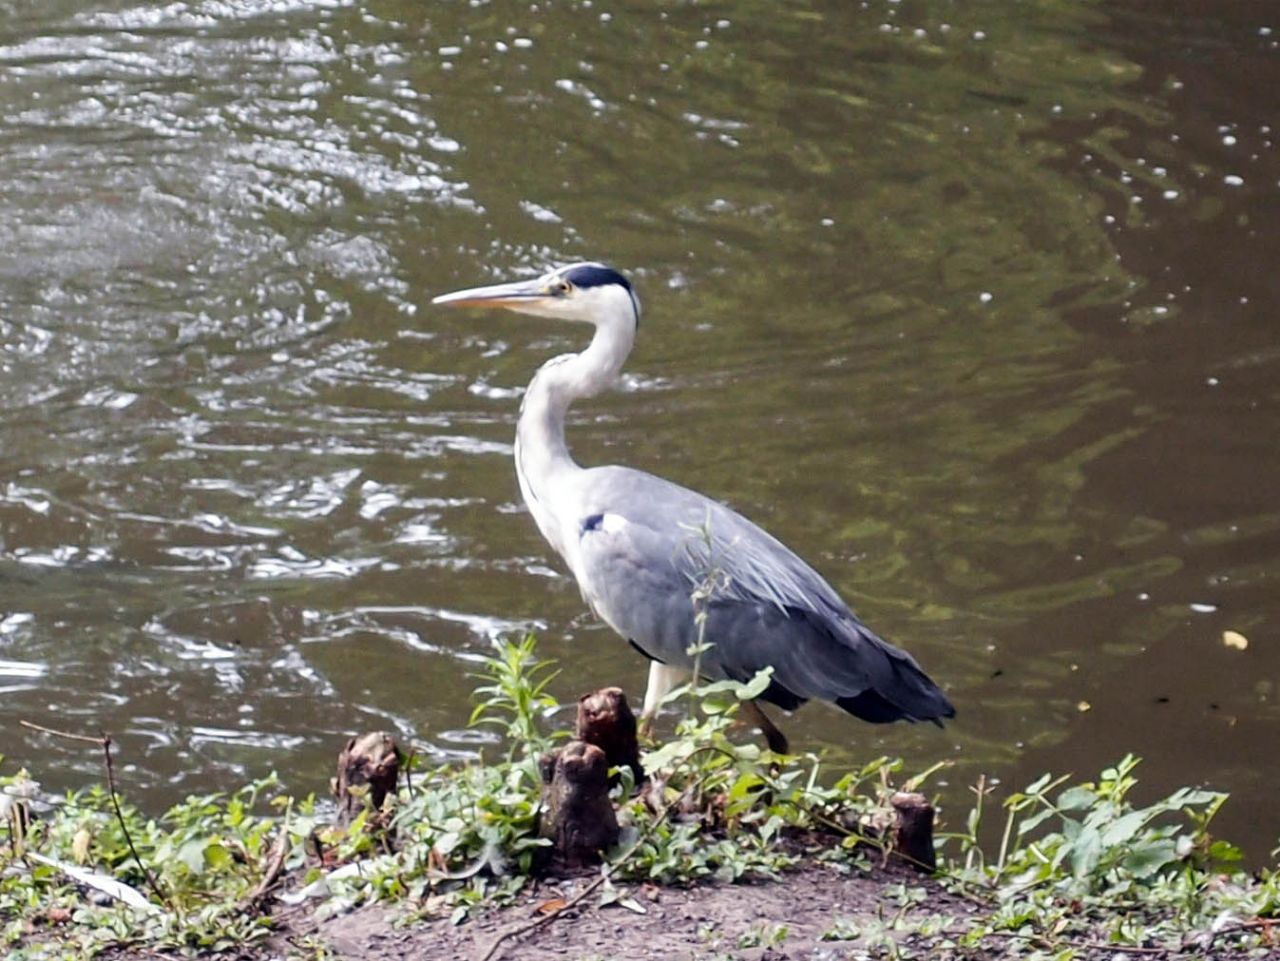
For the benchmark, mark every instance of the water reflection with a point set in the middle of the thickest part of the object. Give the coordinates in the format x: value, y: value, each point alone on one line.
x: 967, y: 304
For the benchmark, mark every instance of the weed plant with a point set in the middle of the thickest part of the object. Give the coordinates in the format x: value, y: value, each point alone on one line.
x: 1078, y: 869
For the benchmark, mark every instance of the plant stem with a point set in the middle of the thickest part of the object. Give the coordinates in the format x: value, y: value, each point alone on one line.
x: 103, y: 740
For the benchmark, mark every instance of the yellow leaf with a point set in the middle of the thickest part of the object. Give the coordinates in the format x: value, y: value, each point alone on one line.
x: 80, y: 846
x: 1084, y: 706
x: 1235, y: 640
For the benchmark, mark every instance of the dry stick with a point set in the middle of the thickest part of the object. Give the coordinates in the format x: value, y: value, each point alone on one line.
x: 605, y: 875
x: 87, y: 739
x: 1052, y: 942
x: 276, y: 858
x: 103, y: 740
x: 1120, y: 948
x: 275, y: 867
x: 124, y: 828
x: 1240, y: 927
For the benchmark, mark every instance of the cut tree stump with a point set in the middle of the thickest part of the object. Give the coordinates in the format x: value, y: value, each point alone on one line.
x: 368, y: 768
x: 577, y: 814
x: 605, y: 720
x: 913, y: 832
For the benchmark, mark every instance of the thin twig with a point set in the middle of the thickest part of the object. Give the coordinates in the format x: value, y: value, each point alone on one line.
x: 87, y: 739
x: 276, y: 858
x: 103, y: 741
x: 1240, y: 927
x: 124, y: 828
x: 1053, y: 942
x: 538, y: 922
x: 605, y: 875
x: 1122, y: 948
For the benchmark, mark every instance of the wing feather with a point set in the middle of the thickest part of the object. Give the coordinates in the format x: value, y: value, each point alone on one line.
x: 645, y: 544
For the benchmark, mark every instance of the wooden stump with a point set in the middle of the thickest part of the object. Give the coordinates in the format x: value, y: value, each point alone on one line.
x: 605, y: 720
x: 913, y: 833
x: 368, y: 768
x: 577, y: 814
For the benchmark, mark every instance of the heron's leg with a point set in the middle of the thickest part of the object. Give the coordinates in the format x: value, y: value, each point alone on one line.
x: 776, y: 740
x: 662, y: 680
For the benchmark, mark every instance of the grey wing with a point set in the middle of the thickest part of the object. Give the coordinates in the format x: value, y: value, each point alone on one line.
x: 645, y: 544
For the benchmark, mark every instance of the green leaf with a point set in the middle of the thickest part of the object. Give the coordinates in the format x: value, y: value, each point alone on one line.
x: 1078, y: 798
x: 1224, y: 852
x: 1122, y: 829
x: 192, y: 855
x: 1034, y: 821
x: 1147, y: 859
x: 1193, y: 797
x: 1085, y: 852
x: 217, y: 856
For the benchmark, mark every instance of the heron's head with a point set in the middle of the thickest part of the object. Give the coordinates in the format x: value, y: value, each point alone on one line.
x: 587, y: 292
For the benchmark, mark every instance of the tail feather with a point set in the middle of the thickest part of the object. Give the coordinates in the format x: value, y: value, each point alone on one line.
x: 909, y: 696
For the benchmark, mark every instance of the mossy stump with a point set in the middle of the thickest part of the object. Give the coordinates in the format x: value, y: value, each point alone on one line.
x: 368, y: 769
x: 605, y: 720
x: 578, y: 815
x: 913, y: 831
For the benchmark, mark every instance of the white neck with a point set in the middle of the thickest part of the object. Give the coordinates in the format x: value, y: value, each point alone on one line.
x: 543, y: 463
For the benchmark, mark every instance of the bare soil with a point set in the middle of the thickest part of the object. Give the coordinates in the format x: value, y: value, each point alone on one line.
x: 779, y: 920
x: 815, y: 913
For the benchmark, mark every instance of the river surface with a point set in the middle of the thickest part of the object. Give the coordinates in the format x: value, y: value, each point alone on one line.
x: 973, y: 304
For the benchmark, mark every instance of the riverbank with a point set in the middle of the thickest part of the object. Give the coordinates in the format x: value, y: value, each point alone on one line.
x: 814, y: 913
x: 725, y: 851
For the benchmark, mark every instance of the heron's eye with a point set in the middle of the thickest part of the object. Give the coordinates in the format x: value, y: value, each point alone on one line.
x: 562, y: 288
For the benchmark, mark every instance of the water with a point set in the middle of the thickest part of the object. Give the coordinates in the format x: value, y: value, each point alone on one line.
x: 974, y: 305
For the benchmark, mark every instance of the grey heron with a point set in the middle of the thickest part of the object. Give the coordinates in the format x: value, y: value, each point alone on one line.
x: 639, y: 545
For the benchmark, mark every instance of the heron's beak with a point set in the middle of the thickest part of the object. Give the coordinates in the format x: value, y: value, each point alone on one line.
x: 516, y: 295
